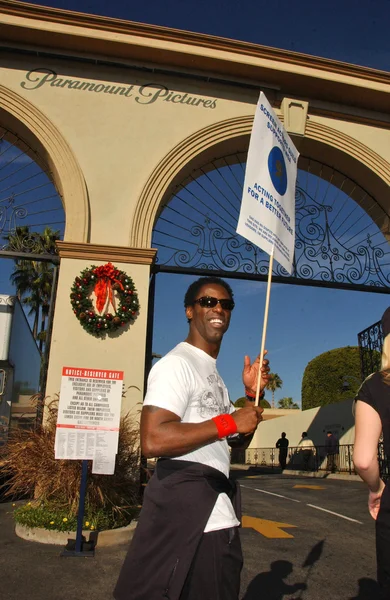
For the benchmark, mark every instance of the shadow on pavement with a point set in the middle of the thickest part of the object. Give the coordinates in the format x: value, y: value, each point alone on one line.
x: 270, y: 584
x: 368, y: 589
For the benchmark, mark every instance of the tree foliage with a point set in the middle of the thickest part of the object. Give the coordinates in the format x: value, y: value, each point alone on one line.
x: 264, y: 403
x: 33, y: 279
x: 274, y: 383
x: 240, y: 403
x: 331, y: 377
x: 287, y: 403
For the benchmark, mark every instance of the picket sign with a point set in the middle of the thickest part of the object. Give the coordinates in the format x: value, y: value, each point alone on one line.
x: 267, y: 214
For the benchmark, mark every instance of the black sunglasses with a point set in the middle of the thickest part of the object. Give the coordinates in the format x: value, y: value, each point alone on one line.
x: 210, y: 302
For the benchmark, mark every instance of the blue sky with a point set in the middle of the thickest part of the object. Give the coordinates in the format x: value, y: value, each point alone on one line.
x: 345, y: 30
x: 303, y: 321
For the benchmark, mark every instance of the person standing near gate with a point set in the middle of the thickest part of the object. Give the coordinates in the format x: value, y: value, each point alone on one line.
x: 307, y: 449
x: 372, y: 411
x: 186, y: 545
x: 332, y: 452
x: 282, y: 444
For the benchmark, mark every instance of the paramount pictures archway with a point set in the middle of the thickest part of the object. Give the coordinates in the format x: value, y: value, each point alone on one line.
x: 127, y: 114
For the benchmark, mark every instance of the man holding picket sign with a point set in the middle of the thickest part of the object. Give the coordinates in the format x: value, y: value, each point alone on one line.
x: 186, y: 545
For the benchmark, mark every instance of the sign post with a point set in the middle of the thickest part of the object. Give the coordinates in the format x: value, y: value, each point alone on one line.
x: 88, y: 429
x: 80, y: 547
x: 267, y: 215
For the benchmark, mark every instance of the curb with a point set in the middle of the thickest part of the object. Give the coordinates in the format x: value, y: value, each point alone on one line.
x: 109, y: 537
x: 257, y: 470
x: 320, y: 475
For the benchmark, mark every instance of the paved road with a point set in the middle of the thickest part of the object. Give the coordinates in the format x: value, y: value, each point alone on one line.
x: 339, y: 543
x: 342, y: 550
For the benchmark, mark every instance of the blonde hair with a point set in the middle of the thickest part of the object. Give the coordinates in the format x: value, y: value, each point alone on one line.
x: 385, y: 360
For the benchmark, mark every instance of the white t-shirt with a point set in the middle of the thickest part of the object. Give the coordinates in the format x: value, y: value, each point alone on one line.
x: 186, y: 382
x: 306, y: 443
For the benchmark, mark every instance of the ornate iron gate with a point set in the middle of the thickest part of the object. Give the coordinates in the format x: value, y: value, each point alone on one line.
x: 370, y: 342
x: 337, y: 243
x: 29, y: 206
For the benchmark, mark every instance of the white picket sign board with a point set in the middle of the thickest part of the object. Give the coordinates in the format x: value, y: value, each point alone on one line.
x: 267, y: 216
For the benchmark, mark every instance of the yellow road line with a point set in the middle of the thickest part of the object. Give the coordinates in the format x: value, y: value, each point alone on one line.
x: 269, y: 529
x: 310, y: 487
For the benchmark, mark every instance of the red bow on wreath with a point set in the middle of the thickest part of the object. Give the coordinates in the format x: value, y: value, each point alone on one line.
x: 106, y: 276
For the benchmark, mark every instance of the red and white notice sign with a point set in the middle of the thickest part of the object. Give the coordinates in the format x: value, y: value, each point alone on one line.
x: 88, y: 416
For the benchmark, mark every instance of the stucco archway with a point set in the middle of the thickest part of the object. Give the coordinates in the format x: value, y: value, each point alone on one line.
x: 39, y: 132
x: 321, y: 142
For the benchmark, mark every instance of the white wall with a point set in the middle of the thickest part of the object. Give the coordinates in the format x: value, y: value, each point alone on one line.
x: 337, y: 418
x: 6, y: 312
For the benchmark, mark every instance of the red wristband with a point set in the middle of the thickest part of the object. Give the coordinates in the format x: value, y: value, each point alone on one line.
x: 225, y: 425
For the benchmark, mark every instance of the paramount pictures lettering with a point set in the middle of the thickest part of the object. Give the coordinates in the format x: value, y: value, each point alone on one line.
x: 144, y: 94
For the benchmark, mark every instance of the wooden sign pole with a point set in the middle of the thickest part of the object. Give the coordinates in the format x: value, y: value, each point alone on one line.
x: 271, y: 260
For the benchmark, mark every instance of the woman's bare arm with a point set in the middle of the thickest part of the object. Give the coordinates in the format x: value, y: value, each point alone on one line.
x: 368, y: 428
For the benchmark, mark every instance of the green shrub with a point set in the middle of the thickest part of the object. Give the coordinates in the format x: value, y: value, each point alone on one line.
x: 57, y: 518
x: 331, y: 377
x: 264, y: 403
x: 241, y: 402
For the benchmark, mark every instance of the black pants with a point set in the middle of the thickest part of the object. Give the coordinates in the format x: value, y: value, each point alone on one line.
x: 216, y: 568
x: 332, y: 463
x: 283, y: 458
x: 382, y: 527
x: 306, y: 457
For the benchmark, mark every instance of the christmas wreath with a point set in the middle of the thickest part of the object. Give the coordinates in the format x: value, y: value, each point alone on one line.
x: 103, y: 281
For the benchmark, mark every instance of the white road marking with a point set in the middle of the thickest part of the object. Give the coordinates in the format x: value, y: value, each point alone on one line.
x: 270, y: 493
x: 334, y: 513
x: 331, y: 512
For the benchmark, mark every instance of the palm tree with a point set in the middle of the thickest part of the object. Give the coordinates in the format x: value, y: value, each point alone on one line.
x: 48, y: 238
x: 18, y: 239
x: 33, y: 279
x: 287, y: 403
x: 33, y: 302
x: 21, y: 239
x: 22, y: 277
x: 39, y: 299
x: 274, y: 383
